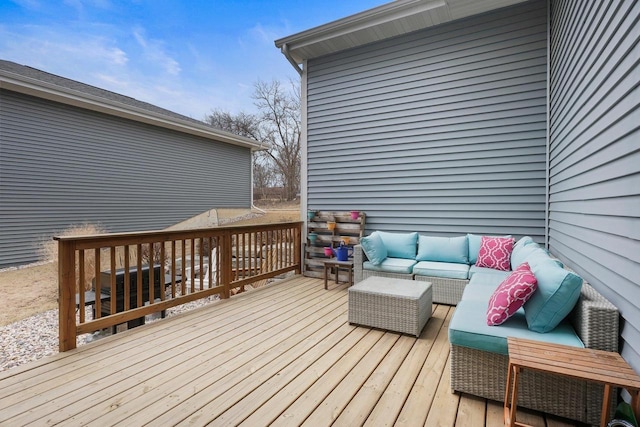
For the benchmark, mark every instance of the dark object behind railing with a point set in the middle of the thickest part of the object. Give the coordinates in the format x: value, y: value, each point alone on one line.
x: 136, y: 298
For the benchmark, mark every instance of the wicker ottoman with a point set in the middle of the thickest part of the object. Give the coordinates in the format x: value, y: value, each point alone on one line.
x: 394, y: 304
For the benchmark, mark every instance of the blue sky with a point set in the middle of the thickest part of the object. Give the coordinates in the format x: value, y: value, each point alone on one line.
x: 188, y: 56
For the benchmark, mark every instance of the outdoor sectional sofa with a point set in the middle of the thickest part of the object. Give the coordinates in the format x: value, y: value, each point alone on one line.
x: 564, y: 309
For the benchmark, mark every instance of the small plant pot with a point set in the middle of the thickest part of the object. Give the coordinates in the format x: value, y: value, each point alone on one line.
x: 311, y: 214
x: 344, y: 240
x: 355, y: 214
x: 328, y: 251
x: 331, y: 225
x: 312, y: 238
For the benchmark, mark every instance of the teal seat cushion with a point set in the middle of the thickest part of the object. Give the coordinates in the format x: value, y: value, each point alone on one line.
x: 392, y: 265
x: 484, y: 270
x: 374, y: 248
x: 443, y: 249
x: 480, y: 290
x: 449, y: 270
x: 474, y: 241
x: 400, y: 245
x: 468, y: 328
x: 557, y: 294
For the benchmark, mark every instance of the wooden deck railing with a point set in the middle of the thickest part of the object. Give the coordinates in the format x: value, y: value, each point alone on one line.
x: 158, y: 270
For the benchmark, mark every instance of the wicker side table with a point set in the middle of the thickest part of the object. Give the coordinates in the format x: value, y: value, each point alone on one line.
x: 394, y: 304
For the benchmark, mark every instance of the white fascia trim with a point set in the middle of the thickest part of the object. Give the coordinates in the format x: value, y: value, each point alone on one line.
x: 385, y: 13
x: 51, y: 92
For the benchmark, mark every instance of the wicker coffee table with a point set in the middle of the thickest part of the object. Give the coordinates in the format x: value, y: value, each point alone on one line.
x: 394, y: 304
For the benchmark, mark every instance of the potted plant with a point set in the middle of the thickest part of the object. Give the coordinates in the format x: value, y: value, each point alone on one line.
x: 355, y: 214
x: 331, y: 225
x: 310, y: 214
x: 313, y: 237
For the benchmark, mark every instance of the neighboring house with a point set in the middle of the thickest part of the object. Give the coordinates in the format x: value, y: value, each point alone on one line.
x: 484, y: 116
x: 73, y: 153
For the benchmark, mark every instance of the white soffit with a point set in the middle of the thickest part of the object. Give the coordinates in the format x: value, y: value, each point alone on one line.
x: 383, y: 22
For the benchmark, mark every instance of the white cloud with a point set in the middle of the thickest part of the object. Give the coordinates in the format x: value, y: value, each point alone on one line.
x: 154, y: 51
x: 138, y: 34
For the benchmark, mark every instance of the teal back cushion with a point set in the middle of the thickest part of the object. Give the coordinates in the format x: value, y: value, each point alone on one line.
x: 443, y: 249
x: 524, y: 241
x: 474, y: 241
x: 558, y: 292
x: 374, y: 248
x: 520, y: 253
x: 400, y: 245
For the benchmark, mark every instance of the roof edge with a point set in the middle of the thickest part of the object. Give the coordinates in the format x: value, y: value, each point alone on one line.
x: 34, y: 87
x: 381, y: 23
x: 374, y: 16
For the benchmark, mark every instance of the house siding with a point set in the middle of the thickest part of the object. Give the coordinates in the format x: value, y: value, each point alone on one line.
x: 62, y: 165
x: 441, y: 131
x: 594, y: 130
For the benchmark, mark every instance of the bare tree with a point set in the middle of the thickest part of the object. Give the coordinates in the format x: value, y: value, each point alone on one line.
x: 277, y: 125
x: 243, y: 124
x: 280, y: 124
x: 264, y: 173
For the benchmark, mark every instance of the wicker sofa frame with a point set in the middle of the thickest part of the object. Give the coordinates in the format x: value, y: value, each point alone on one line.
x: 484, y: 374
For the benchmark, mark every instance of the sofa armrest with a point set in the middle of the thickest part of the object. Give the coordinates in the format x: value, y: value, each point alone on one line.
x: 596, y: 320
x: 358, y: 259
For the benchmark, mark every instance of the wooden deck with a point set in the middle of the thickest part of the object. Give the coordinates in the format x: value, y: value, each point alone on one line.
x: 281, y: 355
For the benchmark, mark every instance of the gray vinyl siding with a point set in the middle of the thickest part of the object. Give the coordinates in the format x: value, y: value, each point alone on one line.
x: 441, y: 131
x: 594, y: 223
x: 62, y: 165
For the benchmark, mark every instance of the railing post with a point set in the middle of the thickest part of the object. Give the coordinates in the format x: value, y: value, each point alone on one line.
x: 225, y: 261
x: 298, y: 248
x: 66, y: 295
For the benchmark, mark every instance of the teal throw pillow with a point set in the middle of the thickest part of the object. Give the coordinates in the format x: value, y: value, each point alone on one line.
x: 374, y: 248
x: 443, y: 249
x: 558, y: 292
x: 400, y: 245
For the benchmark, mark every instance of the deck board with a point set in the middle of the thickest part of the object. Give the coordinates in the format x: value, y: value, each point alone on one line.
x: 279, y: 355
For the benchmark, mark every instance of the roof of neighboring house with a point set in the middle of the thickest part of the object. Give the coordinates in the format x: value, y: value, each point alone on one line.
x: 380, y: 23
x: 31, y: 81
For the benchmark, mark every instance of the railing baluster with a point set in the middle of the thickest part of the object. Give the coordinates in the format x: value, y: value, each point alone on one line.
x: 162, y: 283
x: 211, y: 268
x: 152, y: 272
x: 193, y: 265
x: 183, y: 276
x: 139, y: 276
x: 98, y: 282
x: 127, y: 279
x: 173, y: 269
x: 81, y: 286
x: 112, y: 264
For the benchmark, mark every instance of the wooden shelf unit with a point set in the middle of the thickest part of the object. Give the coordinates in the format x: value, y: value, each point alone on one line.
x: 314, y: 256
